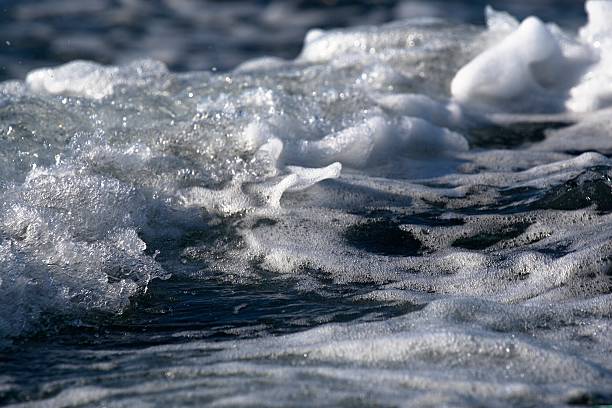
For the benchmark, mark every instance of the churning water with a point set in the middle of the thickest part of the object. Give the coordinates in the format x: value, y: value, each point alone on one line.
x: 416, y: 213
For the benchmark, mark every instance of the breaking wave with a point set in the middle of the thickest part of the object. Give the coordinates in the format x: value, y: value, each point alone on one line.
x: 458, y: 172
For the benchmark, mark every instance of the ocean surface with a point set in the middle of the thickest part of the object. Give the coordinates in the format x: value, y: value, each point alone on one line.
x: 305, y: 203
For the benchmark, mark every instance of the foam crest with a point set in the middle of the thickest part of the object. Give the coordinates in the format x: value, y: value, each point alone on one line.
x: 598, y: 27
x: 539, y: 68
x: 527, y: 71
x: 83, y: 78
x: 594, y: 90
x: 70, y: 247
x: 377, y: 138
x: 421, y: 106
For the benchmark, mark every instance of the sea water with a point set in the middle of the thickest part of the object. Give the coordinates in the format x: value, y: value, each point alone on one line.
x: 416, y: 213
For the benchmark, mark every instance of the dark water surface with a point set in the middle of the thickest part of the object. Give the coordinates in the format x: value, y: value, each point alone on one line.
x: 173, y: 311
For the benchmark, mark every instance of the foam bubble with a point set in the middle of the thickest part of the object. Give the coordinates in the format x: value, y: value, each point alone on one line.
x: 539, y: 68
x: 527, y: 71
x: 83, y: 78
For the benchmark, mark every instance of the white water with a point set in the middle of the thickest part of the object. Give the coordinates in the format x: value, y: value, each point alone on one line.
x: 99, y: 162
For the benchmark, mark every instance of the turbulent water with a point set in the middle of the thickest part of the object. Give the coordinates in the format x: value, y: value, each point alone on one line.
x: 190, y: 35
x: 410, y: 214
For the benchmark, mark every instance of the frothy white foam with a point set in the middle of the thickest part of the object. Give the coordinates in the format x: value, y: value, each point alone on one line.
x: 92, y: 80
x: 346, y: 168
x: 538, y: 68
x: 595, y: 89
x: 527, y: 71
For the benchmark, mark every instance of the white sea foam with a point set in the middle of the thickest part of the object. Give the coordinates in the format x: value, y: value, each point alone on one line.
x: 595, y: 89
x: 361, y: 164
x: 538, y: 68
x: 529, y: 71
x: 92, y: 80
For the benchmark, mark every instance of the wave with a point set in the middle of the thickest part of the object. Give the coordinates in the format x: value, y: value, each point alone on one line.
x: 462, y: 171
